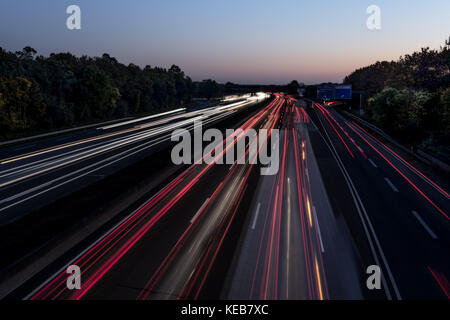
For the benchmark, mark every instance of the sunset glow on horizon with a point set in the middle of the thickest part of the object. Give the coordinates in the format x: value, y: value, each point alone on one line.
x: 240, y: 41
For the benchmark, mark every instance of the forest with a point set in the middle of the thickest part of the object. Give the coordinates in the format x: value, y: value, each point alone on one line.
x: 39, y: 94
x: 410, y: 98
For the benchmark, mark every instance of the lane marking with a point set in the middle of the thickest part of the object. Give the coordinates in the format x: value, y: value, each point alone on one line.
x: 372, y: 163
x: 426, y: 227
x: 363, y: 216
x: 199, y: 210
x: 318, y: 229
x: 391, y: 184
x: 256, y: 216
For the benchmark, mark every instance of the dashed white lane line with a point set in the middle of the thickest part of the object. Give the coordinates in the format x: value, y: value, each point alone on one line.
x: 256, y: 216
x: 372, y: 163
x: 199, y: 210
x: 318, y: 230
x: 391, y: 184
x: 426, y: 227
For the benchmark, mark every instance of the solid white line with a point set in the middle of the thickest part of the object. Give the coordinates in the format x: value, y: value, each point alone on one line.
x: 391, y: 184
x: 256, y: 216
x: 372, y: 163
x: 418, y: 217
x: 199, y: 210
x: 318, y: 229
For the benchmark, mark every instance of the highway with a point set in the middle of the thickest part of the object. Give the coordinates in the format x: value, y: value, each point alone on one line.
x: 36, y: 173
x: 342, y: 200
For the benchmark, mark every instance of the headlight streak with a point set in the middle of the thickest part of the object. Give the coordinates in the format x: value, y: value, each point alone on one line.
x: 108, y: 250
x: 269, y: 265
x: 97, y: 252
x: 211, y: 254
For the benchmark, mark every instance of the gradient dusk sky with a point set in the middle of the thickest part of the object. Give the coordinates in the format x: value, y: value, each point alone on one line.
x: 245, y: 41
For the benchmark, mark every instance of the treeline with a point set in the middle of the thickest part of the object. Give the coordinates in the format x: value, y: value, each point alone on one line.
x: 40, y: 93
x: 410, y: 98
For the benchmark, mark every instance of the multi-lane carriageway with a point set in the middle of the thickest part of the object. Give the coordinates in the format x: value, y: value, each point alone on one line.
x: 342, y: 200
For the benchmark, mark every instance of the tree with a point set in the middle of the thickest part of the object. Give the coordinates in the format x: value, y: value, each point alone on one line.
x: 22, y: 103
x: 399, y: 111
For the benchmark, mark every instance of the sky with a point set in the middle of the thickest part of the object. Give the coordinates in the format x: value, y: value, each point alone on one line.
x: 243, y: 41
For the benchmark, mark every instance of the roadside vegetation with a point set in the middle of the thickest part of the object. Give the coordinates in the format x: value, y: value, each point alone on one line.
x: 410, y: 98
